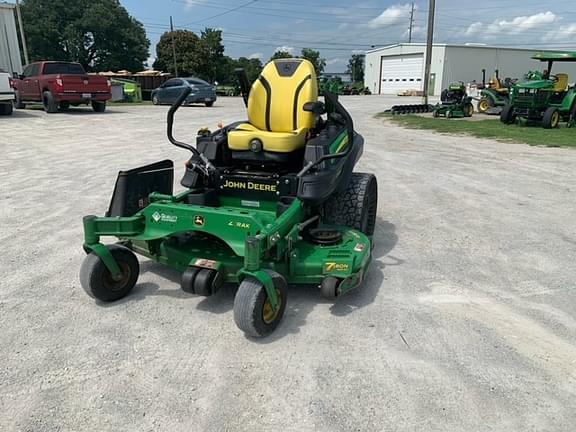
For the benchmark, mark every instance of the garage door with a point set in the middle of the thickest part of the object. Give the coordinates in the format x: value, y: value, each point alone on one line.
x: 399, y: 73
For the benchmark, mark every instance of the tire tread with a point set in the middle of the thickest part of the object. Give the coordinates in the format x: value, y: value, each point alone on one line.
x: 346, y: 208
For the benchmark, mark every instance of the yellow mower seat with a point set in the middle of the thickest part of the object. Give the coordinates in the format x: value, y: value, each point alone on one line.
x: 562, y: 83
x: 279, y: 142
x: 275, y: 108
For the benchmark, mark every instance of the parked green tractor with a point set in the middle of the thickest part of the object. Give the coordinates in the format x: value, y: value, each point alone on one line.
x: 544, y: 97
x: 335, y: 85
x: 332, y: 85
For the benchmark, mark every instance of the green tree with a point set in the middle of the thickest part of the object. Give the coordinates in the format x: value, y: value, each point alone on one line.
x: 253, y: 67
x: 212, y: 40
x: 227, y: 76
x: 280, y: 54
x: 191, y: 54
x: 356, y: 67
x: 314, y: 58
x: 99, y: 34
x: 225, y: 71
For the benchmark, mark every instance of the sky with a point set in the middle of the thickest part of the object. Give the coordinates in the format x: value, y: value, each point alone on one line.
x: 339, y: 28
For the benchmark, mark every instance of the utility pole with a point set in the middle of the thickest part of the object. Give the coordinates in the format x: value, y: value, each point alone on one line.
x: 21, y: 26
x: 173, y: 47
x: 411, y: 23
x: 429, y: 42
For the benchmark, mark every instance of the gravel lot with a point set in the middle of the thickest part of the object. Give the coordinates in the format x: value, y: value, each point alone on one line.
x: 465, y: 323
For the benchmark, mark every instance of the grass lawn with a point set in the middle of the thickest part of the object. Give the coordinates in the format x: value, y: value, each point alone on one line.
x: 490, y: 128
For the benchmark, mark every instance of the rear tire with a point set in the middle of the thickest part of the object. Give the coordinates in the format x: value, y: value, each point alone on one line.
x: 99, y: 107
x: 209, y: 104
x: 252, y: 310
x: 572, y: 117
x: 50, y: 105
x: 507, y: 115
x: 97, y: 281
x: 468, y: 110
x: 6, y: 109
x: 19, y: 104
x: 356, y: 205
x: 551, y: 118
x: 484, y: 105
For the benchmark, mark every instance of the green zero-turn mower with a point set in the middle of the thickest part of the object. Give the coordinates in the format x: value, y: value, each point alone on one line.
x: 267, y: 202
x: 543, y: 98
x: 495, y: 94
x: 454, y: 102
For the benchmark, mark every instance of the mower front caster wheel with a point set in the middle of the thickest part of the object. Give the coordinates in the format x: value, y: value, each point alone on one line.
x: 253, y: 312
x: 201, y: 281
x: 97, y: 280
x: 329, y: 287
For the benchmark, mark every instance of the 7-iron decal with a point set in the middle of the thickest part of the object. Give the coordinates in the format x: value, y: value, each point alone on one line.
x: 332, y: 266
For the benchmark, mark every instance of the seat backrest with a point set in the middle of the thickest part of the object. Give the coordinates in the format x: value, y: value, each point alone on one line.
x: 495, y: 83
x: 278, y: 96
x: 562, y: 83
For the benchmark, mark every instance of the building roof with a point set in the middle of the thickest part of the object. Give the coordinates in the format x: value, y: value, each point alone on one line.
x: 470, y: 45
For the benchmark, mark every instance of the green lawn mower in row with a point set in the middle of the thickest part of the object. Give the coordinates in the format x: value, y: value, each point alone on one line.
x: 543, y: 98
x: 268, y: 202
x: 494, y: 95
x: 454, y: 102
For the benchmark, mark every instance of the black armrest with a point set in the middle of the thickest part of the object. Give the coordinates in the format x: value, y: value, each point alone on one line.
x: 317, y: 108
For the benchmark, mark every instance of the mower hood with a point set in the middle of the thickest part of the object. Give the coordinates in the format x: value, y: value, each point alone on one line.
x: 536, y: 84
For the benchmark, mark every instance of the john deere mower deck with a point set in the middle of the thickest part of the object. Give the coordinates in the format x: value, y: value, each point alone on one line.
x: 268, y: 202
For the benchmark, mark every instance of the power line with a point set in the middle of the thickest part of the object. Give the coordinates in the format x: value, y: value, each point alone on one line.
x: 224, y: 13
x: 257, y: 11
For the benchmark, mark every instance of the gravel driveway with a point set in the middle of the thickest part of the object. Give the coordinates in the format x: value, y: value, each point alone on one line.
x: 466, y: 321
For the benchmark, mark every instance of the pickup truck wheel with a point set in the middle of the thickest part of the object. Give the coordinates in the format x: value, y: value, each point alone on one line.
x: 50, y: 105
x: 209, y: 104
x: 6, y: 108
x: 99, y: 107
x: 18, y: 103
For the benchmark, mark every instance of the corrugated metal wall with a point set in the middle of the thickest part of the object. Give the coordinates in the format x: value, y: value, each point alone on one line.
x: 10, y: 59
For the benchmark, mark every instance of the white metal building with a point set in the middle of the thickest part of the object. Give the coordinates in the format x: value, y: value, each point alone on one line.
x: 395, y: 68
x: 10, y: 59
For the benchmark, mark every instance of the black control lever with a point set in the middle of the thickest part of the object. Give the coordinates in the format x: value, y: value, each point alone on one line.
x: 244, y: 83
x: 170, y: 126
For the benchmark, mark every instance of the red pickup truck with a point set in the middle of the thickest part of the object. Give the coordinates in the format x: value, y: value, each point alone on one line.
x: 57, y: 85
